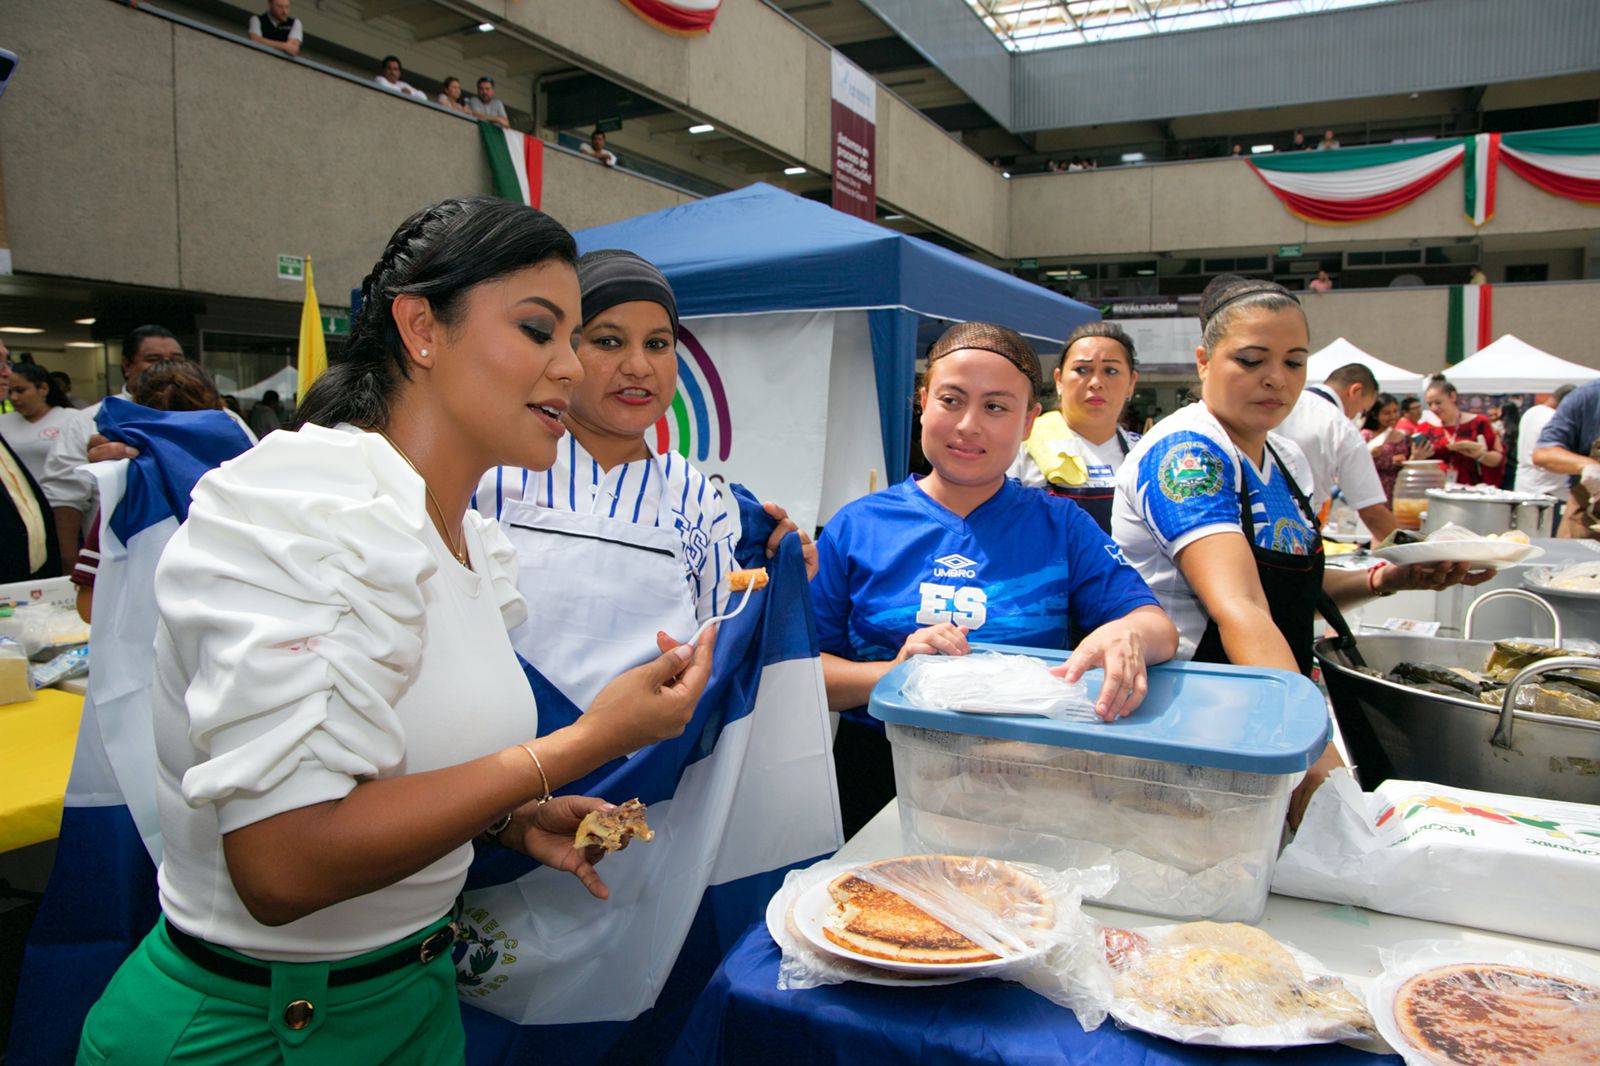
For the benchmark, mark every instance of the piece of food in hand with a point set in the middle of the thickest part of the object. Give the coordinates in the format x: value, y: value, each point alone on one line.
x: 1215, y: 975
x: 613, y: 829
x: 747, y: 579
x: 1401, y: 536
x: 1492, y: 1014
x: 870, y: 920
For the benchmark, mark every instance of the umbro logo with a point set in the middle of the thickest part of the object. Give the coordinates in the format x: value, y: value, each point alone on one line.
x: 954, y: 565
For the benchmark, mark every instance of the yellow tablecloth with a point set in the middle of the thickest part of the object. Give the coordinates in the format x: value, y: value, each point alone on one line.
x: 37, y: 738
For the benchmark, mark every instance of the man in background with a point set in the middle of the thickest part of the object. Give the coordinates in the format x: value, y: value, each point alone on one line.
x: 485, y: 106
x: 276, y: 29
x: 393, y: 79
x: 72, y: 492
x: 1570, y: 446
x: 264, y: 415
x: 1321, y: 424
x: 596, y: 149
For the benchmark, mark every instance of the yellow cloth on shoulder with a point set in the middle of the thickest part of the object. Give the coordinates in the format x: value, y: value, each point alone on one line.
x: 1046, y: 447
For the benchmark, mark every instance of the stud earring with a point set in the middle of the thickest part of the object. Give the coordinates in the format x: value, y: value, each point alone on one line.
x: 424, y: 353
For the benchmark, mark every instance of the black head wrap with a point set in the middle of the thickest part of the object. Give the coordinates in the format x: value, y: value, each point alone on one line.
x: 613, y: 276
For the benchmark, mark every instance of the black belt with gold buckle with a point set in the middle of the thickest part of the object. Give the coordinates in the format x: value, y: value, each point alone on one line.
x: 208, y: 958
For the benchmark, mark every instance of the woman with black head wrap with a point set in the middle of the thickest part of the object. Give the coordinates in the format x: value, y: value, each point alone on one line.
x: 1213, y: 505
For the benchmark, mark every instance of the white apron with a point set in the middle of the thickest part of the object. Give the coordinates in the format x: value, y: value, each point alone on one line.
x: 598, y: 590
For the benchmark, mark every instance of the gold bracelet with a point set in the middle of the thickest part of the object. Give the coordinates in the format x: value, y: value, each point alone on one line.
x: 543, y: 780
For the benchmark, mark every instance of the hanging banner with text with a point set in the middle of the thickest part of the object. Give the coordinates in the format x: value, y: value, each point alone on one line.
x: 855, y: 118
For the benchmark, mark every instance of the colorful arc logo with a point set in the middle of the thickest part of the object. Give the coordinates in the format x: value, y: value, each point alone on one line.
x: 699, y: 416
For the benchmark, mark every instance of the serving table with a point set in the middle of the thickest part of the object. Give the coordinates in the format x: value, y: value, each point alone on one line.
x: 37, y: 739
x: 742, y: 1016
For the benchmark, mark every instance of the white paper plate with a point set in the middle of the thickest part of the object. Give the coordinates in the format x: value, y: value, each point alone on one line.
x: 815, y: 905
x: 1137, y: 1016
x: 1380, y: 997
x: 1484, y: 552
x: 778, y: 915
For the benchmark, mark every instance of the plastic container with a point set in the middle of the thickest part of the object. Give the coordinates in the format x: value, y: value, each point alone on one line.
x: 1411, y: 487
x: 1185, y: 799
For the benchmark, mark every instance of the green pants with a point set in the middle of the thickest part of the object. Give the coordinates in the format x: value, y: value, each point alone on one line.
x: 162, y: 1008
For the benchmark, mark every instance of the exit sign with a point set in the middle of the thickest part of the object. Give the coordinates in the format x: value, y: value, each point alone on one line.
x: 1289, y: 251
x: 291, y: 267
x: 335, y: 324
x: 1027, y: 264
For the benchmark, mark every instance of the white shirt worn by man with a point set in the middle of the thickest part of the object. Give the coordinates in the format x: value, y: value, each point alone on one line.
x: 297, y: 31
x: 1334, y: 449
x: 1532, y: 478
x: 402, y: 88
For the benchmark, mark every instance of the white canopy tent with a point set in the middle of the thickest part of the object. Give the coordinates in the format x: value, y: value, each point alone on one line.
x: 1512, y: 365
x: 1391, y: 378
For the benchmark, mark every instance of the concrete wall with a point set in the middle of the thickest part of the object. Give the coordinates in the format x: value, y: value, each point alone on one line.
x: 1407, y: 327
x: 1220, y: 204
x: 763, y: 78
x: 188, y: 162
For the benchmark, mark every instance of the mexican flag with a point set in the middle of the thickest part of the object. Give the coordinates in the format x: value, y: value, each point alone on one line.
x: 1471, y: 321
x: 516, y: 162
x: 1564, y: 162
x: 1356, y: 184
x: 1483, y: 163
x: 686, y: 18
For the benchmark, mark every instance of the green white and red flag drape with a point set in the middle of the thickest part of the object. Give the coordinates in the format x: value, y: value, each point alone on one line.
x: 686, y: 17
x: 516, y: 163
x: 1471, y: 325
x: 1356, y: 184
x: 1564, y: 162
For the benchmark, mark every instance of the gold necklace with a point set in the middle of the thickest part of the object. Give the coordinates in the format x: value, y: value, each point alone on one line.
x: 459, y: 553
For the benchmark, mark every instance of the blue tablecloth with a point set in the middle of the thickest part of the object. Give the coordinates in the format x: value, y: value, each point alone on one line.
x: 742, y: 1017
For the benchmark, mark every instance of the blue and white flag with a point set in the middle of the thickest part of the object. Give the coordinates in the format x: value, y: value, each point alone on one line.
x: 101, y: 898
x: 551, y: 974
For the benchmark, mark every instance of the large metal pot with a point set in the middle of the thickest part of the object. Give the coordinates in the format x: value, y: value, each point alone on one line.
x: 1490, y: 510
x: 1393, y: 730
x: 1579, y: 611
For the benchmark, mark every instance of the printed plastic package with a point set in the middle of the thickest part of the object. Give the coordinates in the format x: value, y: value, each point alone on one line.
x: 1228, y: 985
x: 990, y: 682
x: 67, y: 665
x: 1460, y: 1003
x: 934, y: 919
x: 1508, y: 863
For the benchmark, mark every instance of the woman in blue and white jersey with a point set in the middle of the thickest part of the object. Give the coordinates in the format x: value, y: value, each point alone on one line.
x: 623, y: 541
x: 966, y: 550
x: 1212, y: 505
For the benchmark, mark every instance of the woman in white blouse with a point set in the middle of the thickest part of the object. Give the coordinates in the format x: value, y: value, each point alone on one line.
x: 41, y: 412
x: 337, y: 708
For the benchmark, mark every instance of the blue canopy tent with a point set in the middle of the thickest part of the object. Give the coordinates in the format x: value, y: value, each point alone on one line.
x: 761, y: 249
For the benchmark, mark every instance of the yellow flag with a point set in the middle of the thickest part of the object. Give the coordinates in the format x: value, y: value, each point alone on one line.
x: 313, y: 358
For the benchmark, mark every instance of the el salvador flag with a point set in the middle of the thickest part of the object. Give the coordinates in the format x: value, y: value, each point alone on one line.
x: 547, y: 973
x: 101, y: 898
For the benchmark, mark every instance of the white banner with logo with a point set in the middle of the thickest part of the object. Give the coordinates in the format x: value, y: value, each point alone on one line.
x: 784, y: 403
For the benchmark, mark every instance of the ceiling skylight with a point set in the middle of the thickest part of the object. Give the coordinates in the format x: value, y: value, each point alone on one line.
x: 1032, y: 25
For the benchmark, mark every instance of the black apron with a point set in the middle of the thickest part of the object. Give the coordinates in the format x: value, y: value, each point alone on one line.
x: 1095, y: 499
x: 1292, y: 584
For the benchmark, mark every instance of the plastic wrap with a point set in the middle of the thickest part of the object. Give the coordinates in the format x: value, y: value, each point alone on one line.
x: 1455, y: 1003
x: 984, y: 917
x: 1227, y: 985
x: 989, y: 682
x: 1450, y: 855
x: 63, y: 667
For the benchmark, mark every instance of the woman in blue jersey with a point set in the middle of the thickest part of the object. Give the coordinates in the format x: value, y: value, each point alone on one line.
x: 1076, y: 451
x: 623, y: 541
x: 918, y: 567
x: 1212, y: 505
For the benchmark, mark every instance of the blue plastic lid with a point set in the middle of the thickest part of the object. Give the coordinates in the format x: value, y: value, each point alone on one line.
x: 1247, y: 718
